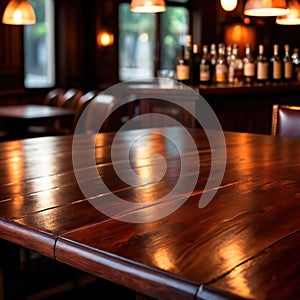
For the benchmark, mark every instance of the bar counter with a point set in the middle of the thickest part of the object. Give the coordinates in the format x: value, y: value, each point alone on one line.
x: 248, y: 107
x: 239, y: 108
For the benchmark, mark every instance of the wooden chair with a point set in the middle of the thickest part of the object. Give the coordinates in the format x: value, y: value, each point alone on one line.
x: 82, y: 103
x: 62, y: 98
x: 61, y: 128
x: 99, y: 109
x: 52, y: 97
x: 286, y: 121
x: 69, y: 98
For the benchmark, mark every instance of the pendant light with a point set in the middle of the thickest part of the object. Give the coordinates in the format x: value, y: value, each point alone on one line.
x: 265, y: 8
x: 228, y: 5
x: 19, y: 12
x: 293, y: 15
x: 147, y: 6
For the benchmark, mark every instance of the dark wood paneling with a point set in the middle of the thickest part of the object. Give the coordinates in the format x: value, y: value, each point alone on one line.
x: 11, y: 53
x: 71, y: 42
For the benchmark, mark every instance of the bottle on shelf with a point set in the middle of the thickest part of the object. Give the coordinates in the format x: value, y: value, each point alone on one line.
x: 275, y: 65
x: 221, y: 65
x: 188, y: 54
x: 205, y: 66
x: 183, y: 68
x: 228, y: 53
x: 230, y: 60
x: 235, y: 67
x: 195, y: 76
x: 296, y: 64
x: 213, y: 60
x: 188, y: 48
x: 248, y: 65
x: 287, y: 64
x: 262, y: 66
x: 239, y: 66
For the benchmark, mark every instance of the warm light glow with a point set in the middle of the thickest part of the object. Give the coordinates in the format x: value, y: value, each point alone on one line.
x: 105, y: 39
x: 228, y: 5
x: 231, y: 253
x: 163, y: 259
x: 265, y: 8
x: 149, y: 167
x: 148, y: 6
x: 240, y: 34
x: 19, y: 12
x: 293, y: 15
x: 15, y: 169
x: 247, y: 21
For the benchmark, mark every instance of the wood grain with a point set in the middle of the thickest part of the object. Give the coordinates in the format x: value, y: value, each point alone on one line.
x: 244, y: 243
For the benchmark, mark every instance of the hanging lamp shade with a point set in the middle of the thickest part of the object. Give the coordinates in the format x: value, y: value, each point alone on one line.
x: 147, y: 6
x: 265, y: 8
x: 293, y: 15
x: 228, y: 5
x: 19, y: 12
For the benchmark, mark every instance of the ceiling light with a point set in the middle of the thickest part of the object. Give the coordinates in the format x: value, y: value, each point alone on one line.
x: 147, y: 6
x: 265, y: 8
x: 228, y: 5
x: 19, y: 12
x: 293, y: 15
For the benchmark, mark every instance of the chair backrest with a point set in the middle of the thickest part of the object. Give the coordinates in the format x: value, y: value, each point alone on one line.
x: 98, y: 110
x: 82, y: 103
x: 286, y: 120
x: 52, y: 96
x: 70, y: 98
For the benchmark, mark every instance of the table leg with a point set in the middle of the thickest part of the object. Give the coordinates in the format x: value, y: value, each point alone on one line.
x: 11, y: 273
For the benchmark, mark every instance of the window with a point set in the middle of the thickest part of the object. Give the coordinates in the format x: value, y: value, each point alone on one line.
x: 39, y: 46
x: 141, y: 34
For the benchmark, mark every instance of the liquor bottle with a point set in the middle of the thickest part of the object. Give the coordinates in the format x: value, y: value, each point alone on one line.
x: 262, y: 66
x: 221, y: 65
x: 235, y: 67
x: 188, y: 49
x: 228, y: 53
x: 205, y: 66
x: 275, y: 65
x: 188, y: 54
x: 287, y: 64
x: 296, y: 64
x: 213, y: 60
x: 248, y: 65
x: 195, y: 65
x: 230, y: 60
x: 238, y: 66
x: 183, y: 68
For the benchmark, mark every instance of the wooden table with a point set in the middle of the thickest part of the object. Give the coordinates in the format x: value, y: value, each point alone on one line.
x: 244, y: 243
x: 17, y: 118
x: 179, y: 102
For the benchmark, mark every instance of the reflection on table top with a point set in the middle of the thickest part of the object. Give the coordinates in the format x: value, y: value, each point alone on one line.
x: 32, y: 111
x: 245, y: 242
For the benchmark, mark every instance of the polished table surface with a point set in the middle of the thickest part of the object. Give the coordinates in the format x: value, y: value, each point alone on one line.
x: 244, y: 243
x: 33, y: 111
x: 17, y: 118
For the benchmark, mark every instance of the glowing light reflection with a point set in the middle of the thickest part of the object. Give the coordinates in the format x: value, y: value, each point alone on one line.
x: 230, y: 254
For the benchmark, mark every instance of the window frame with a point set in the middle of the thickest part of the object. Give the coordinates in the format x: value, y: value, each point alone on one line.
x: 50, y: 37
x: 157, y: 38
